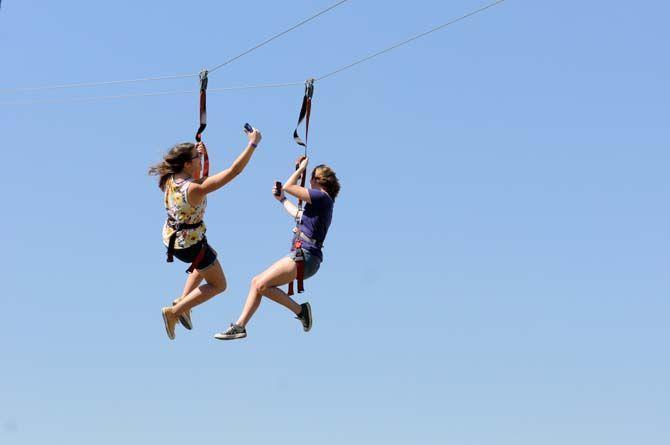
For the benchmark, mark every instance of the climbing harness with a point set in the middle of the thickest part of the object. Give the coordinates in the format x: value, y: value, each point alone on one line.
x: 177, y: 227
x: 296, y: 244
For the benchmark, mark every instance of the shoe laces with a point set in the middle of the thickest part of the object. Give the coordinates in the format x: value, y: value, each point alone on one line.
x: 233, y: 329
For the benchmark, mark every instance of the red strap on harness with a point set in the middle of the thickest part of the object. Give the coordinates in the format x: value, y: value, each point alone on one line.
x: 198, y: 257
x: 300, y: 273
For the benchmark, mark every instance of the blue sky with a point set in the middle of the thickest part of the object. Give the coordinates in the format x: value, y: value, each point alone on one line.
x: 497, y: 267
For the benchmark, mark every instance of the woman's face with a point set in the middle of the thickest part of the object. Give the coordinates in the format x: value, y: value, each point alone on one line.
x: 194, y: 165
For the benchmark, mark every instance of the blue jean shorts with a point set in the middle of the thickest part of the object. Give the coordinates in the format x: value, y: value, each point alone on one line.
x: 312, y: 263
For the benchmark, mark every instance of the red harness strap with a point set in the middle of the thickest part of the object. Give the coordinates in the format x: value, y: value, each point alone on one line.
x: 300, y: 264
x: 198, y: 257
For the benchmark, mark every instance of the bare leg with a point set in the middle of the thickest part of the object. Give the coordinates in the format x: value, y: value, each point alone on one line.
x: 216, y: 283
x: 192, y: 281
x: 282, y: 272
x: 279, y: 296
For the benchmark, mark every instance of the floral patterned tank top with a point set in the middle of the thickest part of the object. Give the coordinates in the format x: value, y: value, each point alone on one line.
x: 180, y: 210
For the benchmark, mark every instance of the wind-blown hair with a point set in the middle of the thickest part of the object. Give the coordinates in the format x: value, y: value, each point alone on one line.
x: 172, y: 163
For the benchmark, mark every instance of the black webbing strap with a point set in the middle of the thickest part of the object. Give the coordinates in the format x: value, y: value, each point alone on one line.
x: 305, y: 112
x: 203, y: 105
x: 203, y: 119
x: 177, y: 227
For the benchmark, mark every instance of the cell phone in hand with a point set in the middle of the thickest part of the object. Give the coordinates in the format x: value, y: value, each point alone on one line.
x: 248, y: 128
x: 277, y: 188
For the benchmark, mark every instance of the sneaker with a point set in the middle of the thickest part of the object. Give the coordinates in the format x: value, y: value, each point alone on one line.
x: 232, y: 333
x: 305, y: 317
x: 185, y: 318
x: 170, y: 321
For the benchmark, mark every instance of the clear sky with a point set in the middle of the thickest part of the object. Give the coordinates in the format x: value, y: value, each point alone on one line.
x: 497, y: 267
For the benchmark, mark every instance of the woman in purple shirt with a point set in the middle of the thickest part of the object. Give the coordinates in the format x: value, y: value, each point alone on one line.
x: 313, y: 223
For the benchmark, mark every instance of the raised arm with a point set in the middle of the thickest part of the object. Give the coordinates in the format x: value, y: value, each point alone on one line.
x: 197, y: 192
x: 291, y: 186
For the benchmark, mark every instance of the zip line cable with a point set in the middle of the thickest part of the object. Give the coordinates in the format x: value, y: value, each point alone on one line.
x: 153, y: 94
x: 176, y: 76
x: 93, y: 84
x: 277, y: 36
x: 270, y: 85
x: 404, y: 42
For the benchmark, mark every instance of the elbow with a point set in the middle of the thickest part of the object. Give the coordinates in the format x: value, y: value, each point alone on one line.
x: 235, y: 170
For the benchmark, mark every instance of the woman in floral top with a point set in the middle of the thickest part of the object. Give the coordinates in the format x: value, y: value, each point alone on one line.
x: 184, y: 230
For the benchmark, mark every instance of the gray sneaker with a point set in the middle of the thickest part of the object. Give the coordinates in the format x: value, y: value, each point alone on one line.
x: 305, y: 317
x: 232, y: 333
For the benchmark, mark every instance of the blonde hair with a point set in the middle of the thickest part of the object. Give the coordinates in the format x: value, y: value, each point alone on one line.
x: 173, y: 162
x: 326, y: 178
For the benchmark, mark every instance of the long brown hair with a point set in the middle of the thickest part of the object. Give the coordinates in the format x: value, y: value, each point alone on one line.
x: 326, y: 178
x: 172, y: 163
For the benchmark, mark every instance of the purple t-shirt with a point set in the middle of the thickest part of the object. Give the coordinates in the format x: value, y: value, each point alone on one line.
x: 316, y: 219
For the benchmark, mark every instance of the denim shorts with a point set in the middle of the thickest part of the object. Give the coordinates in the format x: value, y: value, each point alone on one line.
x: 188, y: 255
x: 312, y: 263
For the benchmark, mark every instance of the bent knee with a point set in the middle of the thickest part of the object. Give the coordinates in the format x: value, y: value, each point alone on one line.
x: 258, y: 284
x: 219, y: 286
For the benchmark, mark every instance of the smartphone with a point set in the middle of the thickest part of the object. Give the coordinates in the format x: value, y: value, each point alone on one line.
x: 248, y: 128
x: 278, y: 188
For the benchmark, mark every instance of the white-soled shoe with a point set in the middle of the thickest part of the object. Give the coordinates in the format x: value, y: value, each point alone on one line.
x: 185, y: 320
x: 232, y: 333
x: 170, y: 321
x: 305, y: 317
